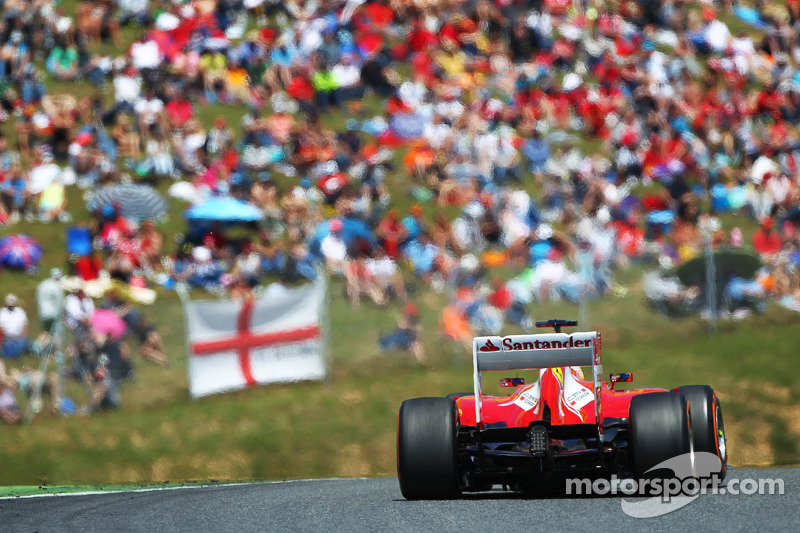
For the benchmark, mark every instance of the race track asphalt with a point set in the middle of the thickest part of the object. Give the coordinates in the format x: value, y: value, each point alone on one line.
x: 376, y: 505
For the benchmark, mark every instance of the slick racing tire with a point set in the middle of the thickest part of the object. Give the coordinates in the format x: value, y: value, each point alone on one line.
x: 426, y: 449
x: 660, y: 432
x: 708, y: 429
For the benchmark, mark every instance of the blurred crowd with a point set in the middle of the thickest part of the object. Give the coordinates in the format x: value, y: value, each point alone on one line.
x: 407, y: 143
x: 78, y: 341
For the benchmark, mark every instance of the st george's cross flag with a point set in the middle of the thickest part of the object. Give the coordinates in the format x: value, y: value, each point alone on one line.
x: 275, y: 338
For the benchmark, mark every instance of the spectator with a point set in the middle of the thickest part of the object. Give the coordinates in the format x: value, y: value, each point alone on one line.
x: 151, y: 346
x: 407, y: 335
x: 62, y: 63
x: 33, y: 383
x: 105, y: 393
x: 78, y: 309
x: 385, y: 274
x: 10, y: 412
x: 14, y: 327
x: 766, y: 240
x: 50, y: 300
x: 333, y: 247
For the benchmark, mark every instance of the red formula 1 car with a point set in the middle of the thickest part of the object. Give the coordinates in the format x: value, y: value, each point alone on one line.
x: 562, y: 426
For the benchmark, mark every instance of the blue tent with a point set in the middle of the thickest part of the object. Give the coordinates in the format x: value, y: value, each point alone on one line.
x: 224, y: 209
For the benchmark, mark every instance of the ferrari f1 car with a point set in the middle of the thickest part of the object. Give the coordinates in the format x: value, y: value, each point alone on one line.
x: 561, y: 426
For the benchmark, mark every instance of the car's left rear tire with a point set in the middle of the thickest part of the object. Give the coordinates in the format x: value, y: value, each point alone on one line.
x: 661, y: 436
x: 426, y: 449
x: 456, y: 395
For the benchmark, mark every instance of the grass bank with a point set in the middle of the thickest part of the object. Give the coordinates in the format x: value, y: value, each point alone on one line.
x: 346, y: 426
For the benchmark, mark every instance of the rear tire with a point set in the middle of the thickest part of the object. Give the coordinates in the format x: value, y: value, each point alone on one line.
x: 708, y: 428
x: 660, y: 431
x: 426, y: 449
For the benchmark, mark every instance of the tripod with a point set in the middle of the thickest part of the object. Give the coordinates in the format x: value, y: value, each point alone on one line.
x: 53, y: 353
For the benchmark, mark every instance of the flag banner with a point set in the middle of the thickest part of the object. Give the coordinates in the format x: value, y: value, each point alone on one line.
x: 277, y: 338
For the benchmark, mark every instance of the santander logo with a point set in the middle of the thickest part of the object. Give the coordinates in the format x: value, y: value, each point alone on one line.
x: 489, y: 347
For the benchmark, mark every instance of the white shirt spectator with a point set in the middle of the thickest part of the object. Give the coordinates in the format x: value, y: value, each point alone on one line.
x: 779, y: 188
x: 194, y: 142
x: 436, y: 134
x: 450, y: 110
x: 467, y: 234
x: 718, y: 36
x: 145, y: 55
x: 49, y: 297
x: 133, y: 7
x: 743, y: 46
x: 13, y: 321
x: 346, y: 75
x: 333, y: 247
x: 78, y: 310
x: 127, y: 88
x: 311, y: 38
x: 148, y: 109
x: 381, y: 267
x: 513, y: 227
x: 43, y: 175
x: 412, y: 93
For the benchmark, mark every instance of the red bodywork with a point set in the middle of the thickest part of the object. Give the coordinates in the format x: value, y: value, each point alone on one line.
x: 551, y: 395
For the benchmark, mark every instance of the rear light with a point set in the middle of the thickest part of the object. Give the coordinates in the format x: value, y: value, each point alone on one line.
x: 538, y: 441
x: 512, y: 382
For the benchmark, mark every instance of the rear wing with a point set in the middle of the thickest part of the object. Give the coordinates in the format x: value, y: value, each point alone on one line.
x: 527, y: 352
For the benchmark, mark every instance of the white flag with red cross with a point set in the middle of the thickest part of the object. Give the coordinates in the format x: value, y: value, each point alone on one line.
x: 277, y: 338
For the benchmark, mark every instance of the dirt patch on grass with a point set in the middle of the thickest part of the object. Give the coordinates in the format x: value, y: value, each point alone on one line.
x: 352, y: 396
x: 137, y: 439
x: 352, y: 462
x: 748, y: 443
x: 233, y: 464
x: 160, y: 470
x: 792, y: 417
x: 209, y: 427
x: 383, y: 456
x: 753, y: 391
x: 169, y: 432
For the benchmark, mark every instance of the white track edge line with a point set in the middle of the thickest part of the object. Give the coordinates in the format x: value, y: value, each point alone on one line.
x: 177, y: 487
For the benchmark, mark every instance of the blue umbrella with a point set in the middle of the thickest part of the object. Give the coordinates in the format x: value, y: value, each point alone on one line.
x: 19, y: 251
x: 225, y: 209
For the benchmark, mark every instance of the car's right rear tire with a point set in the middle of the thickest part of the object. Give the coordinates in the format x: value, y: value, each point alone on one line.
x: 660, y: 431
x: 426, y: 449
x: 708, y: 428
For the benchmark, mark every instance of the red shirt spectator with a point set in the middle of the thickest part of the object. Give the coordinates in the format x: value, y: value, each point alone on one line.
x: 502, y: 297
x: 88, y: 267
x: 765, y: 240
x: 392, y: 231
x: 300, y: 89
x: 180, y: 111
